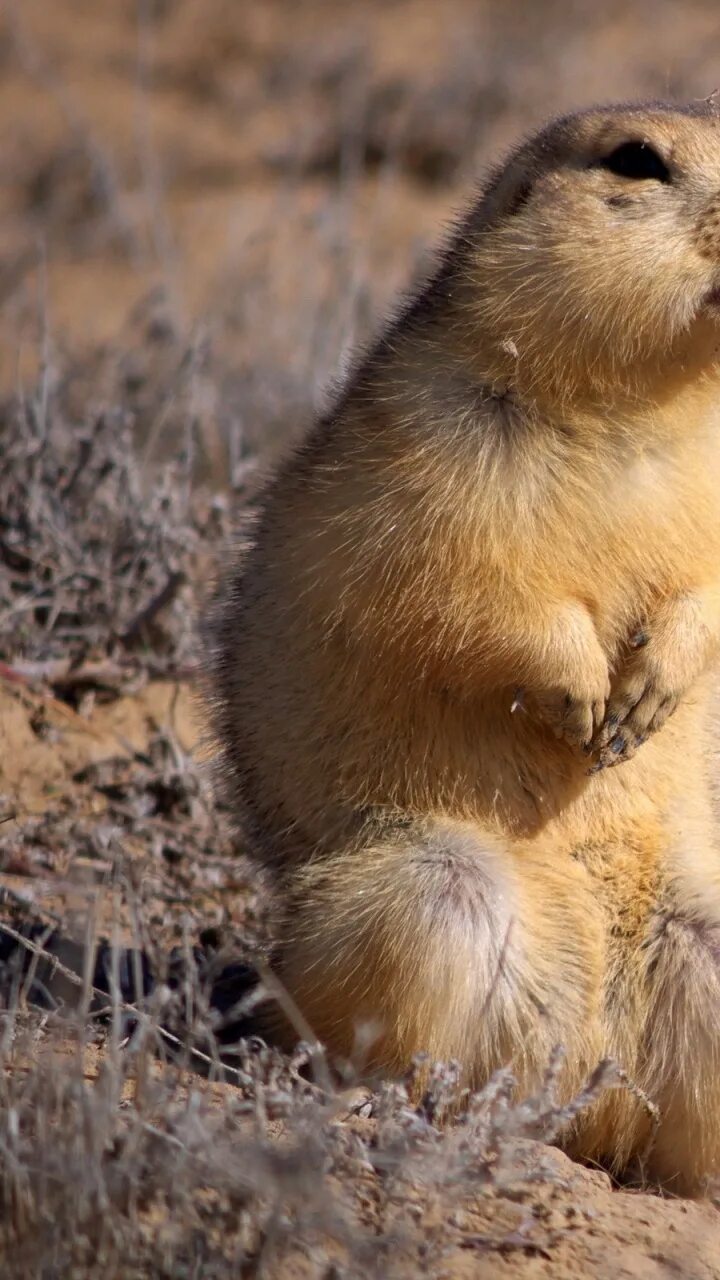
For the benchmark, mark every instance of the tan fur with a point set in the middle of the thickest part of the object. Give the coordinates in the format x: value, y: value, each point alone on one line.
x: 501, y: 546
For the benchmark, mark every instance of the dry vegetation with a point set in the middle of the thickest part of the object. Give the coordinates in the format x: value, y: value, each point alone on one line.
x: 204, y: 205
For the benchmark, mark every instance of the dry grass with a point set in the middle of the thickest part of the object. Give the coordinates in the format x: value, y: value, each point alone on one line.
x: 91, y: 557
x: 115, y: 1160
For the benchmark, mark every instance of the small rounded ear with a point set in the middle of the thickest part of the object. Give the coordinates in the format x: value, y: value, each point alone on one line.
x: 519, y: 198
x: 507, y: 193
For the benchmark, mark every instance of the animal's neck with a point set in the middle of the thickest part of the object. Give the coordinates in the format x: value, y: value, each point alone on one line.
x: 561, y: 374
x: 668, y: 392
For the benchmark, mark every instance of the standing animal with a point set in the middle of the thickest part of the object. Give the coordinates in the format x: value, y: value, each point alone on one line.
x: 485, y: 580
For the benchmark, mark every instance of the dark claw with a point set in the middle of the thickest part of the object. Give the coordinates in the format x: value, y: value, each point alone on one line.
x: 639, y: 639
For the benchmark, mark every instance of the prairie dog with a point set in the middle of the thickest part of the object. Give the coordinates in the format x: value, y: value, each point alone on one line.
x: 491, y: 573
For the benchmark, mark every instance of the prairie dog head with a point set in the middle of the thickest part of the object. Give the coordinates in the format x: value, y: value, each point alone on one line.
x: 594, y: 257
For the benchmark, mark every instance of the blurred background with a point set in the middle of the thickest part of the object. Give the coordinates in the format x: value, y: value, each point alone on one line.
x: 205, y: 203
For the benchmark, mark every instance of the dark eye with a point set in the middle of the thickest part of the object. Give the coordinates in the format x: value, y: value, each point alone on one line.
x: 636, y: 160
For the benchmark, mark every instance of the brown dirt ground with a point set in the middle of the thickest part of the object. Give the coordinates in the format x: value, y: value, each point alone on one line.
x: 203, y: 204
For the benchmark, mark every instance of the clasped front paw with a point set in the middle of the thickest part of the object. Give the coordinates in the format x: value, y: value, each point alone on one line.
x: 640, y: 703
x: 575, y: 714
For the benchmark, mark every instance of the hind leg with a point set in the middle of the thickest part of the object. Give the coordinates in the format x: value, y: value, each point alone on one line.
x: 682, y: 1045
x: 678, y: 980
x: 440, y: 939
x: 662, y: 1000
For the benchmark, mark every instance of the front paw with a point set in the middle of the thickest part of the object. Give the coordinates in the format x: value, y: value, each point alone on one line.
x: 643, y: 697
x: 574, y: 713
